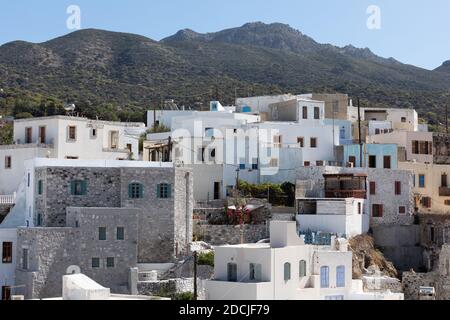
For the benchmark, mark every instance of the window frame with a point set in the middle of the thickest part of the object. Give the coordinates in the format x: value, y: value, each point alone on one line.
x: 8, y: 162
x: 340, y: 276
x: 69, y: 133
x: 109, y: 264
x: 102, y: 236
x: 7, y: 252
x: 122, y: 233
x: 302, y: 268
x: 97, y: 264
x: 164, y: 190
x: 135, y: 190
x: 324, y: 276
x: 287, y: 271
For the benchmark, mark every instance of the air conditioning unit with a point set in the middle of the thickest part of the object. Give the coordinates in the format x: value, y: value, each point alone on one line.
x: 18, y: 297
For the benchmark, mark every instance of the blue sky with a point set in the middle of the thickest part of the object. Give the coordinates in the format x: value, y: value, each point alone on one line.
x: 412, y: 31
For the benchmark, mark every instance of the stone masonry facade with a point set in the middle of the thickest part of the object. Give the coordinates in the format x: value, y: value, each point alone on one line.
x: 51, y: 251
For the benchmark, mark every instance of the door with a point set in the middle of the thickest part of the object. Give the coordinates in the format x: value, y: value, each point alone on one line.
x: 28, y: 135
x: 42, y: 137
x: 6, y: 293
x: 216, y: 190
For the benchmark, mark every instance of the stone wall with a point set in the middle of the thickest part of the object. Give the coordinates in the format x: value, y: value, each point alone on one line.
x: 441, y: 148
x: 165, y: 225
x: 400, y: 245
x: 52, y: 250
x: 229, y: 234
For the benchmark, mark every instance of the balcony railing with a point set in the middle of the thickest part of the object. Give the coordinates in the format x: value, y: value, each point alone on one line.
x: 444, y: 191
x: 8, y: 199
x: 342, y: 194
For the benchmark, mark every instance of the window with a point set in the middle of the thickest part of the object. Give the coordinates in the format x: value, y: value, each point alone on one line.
x: 232, y: 272
x: 28, y: 135
x: 93, y: 133
x: 273, y: 162
x: 359, y: 208
x: 324, y: 277
x: 402, y: 210
x: 164, y: 190
x: 102, y: 233
x: 421, y: 181
x: 403, y: 119
x: 209, y: 132
x: 340, y: 276
x: 302, y: 269
x: 129, y: 146
x: 110, y: 262
x: 7, y: 248
x: 377, y: 131
x: 277, y: 140
x: 426, y: 202
x: 255, y: 164
x: 287, y: 271
x: 377, y: 210
x: 415, y: 147
x: 71, y: 158
x: 72, y: 134
x: 42, y: 135
x: 95, y: 263
x: 114, y: 139
x: 120, y: 233
x: 306, y: 163
x: 372, y: 161
x: 316, y: 113
x: 372, y: 187
x: 301, y: 141
x: 313, y: 142
x: 444, y: 180
x: 25, y: 259
x: 78, y: 188
x: 8, y: 162
x: 319, y: 163
x: 135, y: 190
x: 255, y: 272
x: 352, y: 159
x: 398, y: 188
x: 28, y: 179
x: 39, y: 219
x: 242, y: 166
x: 387, y: 162
x: 40, y: 187
x: 305, y: 112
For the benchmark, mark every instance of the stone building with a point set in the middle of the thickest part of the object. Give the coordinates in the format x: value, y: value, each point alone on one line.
x: 441, y: 148
x: 81, y: 210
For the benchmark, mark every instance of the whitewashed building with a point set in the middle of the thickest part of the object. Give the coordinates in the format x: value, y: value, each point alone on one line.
x: 287, y: 269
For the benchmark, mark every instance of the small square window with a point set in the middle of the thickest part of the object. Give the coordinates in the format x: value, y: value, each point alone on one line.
x: 403, y: 119
x: 313, y: 143
x: 102, y: 233
x: 95, y: 262
x: 307, y: 163
x: 402, y: 210
x: 110, y: 262
x: 72, y: 134
x: 242, y: 166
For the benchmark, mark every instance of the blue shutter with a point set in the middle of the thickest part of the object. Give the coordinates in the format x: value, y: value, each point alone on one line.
x: 340, y: 276
x: 129, y: 190
x: 324, y: 277
x: 141, y: 191
x: 158, y: 191
x: 84, y: 187
x: 169, y: 191
x: 72, y: 187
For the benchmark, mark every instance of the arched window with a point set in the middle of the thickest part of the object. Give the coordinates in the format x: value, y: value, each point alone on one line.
x: 340, y: 276
x: 287, y: 271
x: 302, y: 269
x: 135, y: 190
x: 324, y: 277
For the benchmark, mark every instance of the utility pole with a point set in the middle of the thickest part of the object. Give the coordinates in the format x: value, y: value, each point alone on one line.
x: 446, y: 118
x: 195, y: 275
x: 237, y: 179
x: 359, y: 135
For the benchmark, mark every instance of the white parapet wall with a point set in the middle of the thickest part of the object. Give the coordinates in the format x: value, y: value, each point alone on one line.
x: 80, y: 287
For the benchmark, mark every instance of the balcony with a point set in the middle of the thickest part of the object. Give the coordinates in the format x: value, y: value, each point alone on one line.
x: 9, y: 199
x: 340, y: 194
x: 444, y: 191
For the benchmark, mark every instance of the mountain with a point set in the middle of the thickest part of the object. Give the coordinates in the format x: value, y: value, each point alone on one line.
x: 445, y: 67
x: 126, y: 73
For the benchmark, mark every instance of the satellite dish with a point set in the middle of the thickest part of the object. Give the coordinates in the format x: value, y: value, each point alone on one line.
x: 69, y: 107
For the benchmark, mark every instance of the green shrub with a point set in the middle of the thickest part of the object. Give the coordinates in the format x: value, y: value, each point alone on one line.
x: 183, y: 296
x: 206, y: 258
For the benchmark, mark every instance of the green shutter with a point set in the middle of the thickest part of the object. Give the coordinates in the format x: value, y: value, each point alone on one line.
x: 72, y: 187
x: 141, y: 191
x: 129, y: 190
x: 158, y: 191
x: 84, y: 187
x: 169, y: 190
